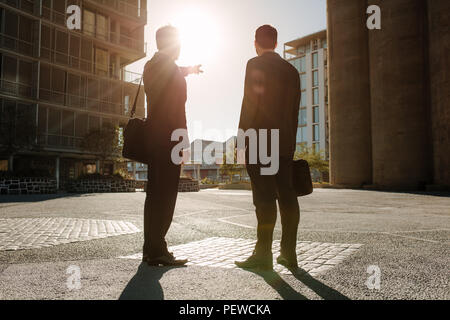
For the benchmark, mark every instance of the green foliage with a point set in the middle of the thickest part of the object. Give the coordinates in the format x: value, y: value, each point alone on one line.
x: 315, y: 159
x: 208, y: 181
x: 230, y: 169
x: 17, y: 130
x: 104, y: 142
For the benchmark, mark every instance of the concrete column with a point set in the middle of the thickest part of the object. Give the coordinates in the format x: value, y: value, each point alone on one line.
x: 399, y: 104
x: 349, y: 94
x: 97, y: 166
x: 439, y: 66
x: 134, y: 169
x: 11, y: 163
x: 57, y: 172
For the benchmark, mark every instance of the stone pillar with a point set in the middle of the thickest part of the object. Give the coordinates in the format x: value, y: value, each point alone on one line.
x: 399, y: 104
x: 349, y: 94
x: 439, y: 66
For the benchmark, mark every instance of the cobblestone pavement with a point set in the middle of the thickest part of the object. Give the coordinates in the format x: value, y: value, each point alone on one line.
x: 34, y: 233
x: 314, y: 257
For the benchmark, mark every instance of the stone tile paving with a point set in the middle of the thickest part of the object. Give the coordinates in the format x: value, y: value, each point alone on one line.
x: 34, y: 233
x: 314, y: 257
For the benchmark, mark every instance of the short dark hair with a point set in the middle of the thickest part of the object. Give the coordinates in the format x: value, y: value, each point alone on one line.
x: 166, y: 36
x: 267, y: 37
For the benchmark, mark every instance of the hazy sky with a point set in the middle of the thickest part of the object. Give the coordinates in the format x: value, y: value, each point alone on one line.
x: 220, y: 35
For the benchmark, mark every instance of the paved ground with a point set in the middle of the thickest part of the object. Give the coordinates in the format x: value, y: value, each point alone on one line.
x: 48, y: 242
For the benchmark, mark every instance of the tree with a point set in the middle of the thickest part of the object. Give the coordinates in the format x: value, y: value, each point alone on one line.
x: 230, y: 169
x: 315, y: 159
x: 106, y: 143
x: 17, y: 129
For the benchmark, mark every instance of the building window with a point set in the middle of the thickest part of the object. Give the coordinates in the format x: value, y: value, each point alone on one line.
x: 316, y: 147
x: 315, y: 78
x: 102, y: 27
x: 303, y: 98
x: 89, y: 23
x: 315, y: 96
x: 3, y: 165
x: 302, y: 117
x: 303, y: 81
x: 315, y: 60
x: 316, y: 115
x: 101, y: 62
x: 316, y: 135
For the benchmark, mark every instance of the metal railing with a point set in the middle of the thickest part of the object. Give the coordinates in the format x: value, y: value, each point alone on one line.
x: 97, y: 32
x: 18, y: 89
x: 16, y: 45
x: 60, y: 141
x: 124, y: 8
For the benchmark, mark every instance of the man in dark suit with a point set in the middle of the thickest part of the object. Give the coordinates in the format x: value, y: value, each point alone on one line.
x: 271, y: 101
x: 165, y: 87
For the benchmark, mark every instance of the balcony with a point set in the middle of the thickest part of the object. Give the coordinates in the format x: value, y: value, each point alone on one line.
x: 123, y: 8
x: 101, y: 33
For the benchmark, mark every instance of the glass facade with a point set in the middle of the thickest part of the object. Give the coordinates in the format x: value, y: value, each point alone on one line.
x: 315, y: 96
x: 315, y: 78
x: 316, y: 115
x: 302, y: 117
x: 315, y: 60
x: 304, y: 99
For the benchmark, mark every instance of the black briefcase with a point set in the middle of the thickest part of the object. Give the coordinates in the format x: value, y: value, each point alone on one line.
x: 302, y: 178
x: 135, y: 137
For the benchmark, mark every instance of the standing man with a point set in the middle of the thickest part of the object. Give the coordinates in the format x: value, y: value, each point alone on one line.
x: 165, y: 88
x: 271, y: 101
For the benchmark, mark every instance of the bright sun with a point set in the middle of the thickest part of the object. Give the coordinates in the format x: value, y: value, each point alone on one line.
x: 199, y: 37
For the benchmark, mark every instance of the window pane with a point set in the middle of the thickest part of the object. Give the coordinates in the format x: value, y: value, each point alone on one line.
x: 303, y: 81
x: 302, y: 117
x: 304, y: 134
x: 315, y: 78
x: 303, y: 99
x: 316, y: 114
x: 315, y: 96
x: 81, y: 125
x: 68, y: 123
x: 315, y: 60
x: 101, y: 27
x: 316, y: 133
x: 89, y: 23
x: 54, y: 121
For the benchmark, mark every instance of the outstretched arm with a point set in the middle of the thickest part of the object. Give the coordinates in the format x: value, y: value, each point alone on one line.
x: 191, y: 70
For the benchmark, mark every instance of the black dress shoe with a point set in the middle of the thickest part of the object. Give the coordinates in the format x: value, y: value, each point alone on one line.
x: 264, y: 263
x: 167, y: 260
x: 289, y: 262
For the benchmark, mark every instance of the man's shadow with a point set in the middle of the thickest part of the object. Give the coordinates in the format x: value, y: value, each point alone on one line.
x: 145, y: 284
x: 288, y: 293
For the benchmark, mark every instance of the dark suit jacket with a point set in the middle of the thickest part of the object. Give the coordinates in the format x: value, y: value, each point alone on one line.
x: 272, y: 99
x: 165, y: 87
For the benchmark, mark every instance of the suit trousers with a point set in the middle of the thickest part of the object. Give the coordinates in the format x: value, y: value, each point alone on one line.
x: 266, y: 190
x: 162, y: 192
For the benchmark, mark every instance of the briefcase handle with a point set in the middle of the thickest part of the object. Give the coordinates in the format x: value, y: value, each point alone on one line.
x: 133, y: 111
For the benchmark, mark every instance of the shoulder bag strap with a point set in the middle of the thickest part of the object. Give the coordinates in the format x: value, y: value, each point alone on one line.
x: 133, y: 111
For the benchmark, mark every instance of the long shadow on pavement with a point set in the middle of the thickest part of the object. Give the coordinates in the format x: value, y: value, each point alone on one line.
x: 288, y: 293
x: 145, y: 284
x: 274, y: 280
x: 321, y: 289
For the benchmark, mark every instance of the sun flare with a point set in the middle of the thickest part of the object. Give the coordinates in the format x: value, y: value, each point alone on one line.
x: 199, y: 36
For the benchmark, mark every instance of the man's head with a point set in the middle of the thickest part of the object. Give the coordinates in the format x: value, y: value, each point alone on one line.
x: 266, y: 39
x: 168, y: 41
